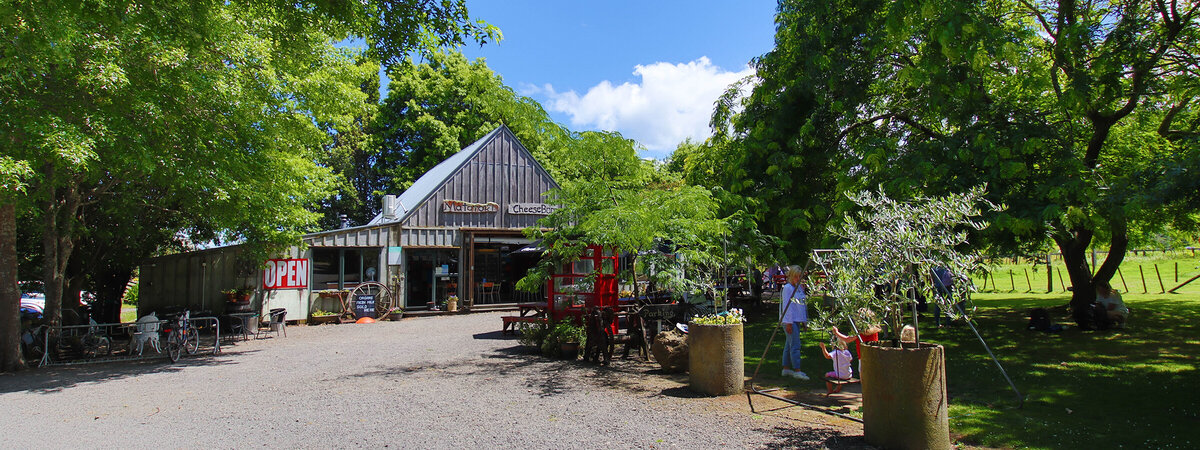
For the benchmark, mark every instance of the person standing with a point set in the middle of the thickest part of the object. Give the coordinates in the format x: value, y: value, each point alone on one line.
x: 793, y: 314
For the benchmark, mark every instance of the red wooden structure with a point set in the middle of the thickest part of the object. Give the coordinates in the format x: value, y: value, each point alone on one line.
x: 587, y: 282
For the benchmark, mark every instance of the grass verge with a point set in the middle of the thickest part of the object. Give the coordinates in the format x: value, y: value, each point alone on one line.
x: 1102, y: 389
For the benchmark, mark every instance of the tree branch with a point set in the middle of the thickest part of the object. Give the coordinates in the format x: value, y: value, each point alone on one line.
x: 901, y: 117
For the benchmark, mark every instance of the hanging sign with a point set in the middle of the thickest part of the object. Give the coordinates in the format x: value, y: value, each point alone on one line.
x: 533, y: 209
x: 286, y: 274
x: 459, y: 206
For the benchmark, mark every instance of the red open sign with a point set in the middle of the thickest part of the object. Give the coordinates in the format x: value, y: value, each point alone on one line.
x: 286, y: 274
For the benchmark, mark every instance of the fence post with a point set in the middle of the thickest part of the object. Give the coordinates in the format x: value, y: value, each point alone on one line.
x: 1126, y: 286
x: 1012, y: 281
x: 1160, y: 283
x: 1027, y: 282
x: 1176, y: 271
x: 1143, y: 272
x: 1061, y: 282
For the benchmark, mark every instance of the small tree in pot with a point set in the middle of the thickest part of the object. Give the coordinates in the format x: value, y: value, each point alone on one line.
x: 890, y: 254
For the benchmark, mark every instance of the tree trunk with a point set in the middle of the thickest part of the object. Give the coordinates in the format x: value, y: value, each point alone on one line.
x: 10, y: 293
x: 1083, y: 293
x: 58, y: 241
x: 1083, y: 282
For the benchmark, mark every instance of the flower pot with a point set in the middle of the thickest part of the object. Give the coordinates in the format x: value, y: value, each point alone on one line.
x: 452, y: 304
x: 904, y: 396
x: 569, y: 350
x: 395, y: 316
x: 716, y: 359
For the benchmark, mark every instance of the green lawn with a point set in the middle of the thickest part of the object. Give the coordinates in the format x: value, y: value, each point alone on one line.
x: 1140, y: 274
x: 1123, y: 388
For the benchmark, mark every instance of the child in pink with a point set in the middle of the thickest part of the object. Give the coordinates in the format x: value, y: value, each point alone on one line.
x: 841, y: 365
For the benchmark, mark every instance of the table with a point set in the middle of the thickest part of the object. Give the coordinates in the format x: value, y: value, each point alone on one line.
x: 537, y: 308
x: 248, y: 319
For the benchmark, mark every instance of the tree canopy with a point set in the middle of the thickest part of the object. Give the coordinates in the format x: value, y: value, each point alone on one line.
x: 218, y: 107
x: 1079, y: 116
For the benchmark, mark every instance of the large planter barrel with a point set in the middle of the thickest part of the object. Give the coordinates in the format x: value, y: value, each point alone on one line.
x: 904, y: 397
x: 716, y: 359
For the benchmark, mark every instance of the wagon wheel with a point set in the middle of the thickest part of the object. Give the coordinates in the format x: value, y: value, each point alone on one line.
x: 384, y: 300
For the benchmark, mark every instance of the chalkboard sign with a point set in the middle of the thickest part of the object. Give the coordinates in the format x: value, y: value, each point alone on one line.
x: 364, y: 305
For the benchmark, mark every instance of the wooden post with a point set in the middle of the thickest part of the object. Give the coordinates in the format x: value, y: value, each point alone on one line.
x: 1061, y: 283
x: 1126, y: 286
x: 1049, y: 276
x: 994, y: 286
x: 1012, y: 281
x: 1027, y: 282
x: 1176, y: 271
x: 1183, y: 284
x: 1160, y: 283
x: 1143, y: 272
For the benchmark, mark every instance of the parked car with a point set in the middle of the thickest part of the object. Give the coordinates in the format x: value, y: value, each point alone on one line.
x: 33, y: 299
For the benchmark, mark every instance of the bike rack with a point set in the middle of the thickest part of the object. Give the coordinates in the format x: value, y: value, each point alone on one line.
x: 71, y: 331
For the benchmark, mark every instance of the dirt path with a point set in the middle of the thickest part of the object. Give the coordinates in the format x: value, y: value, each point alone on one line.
x: 450, y: 381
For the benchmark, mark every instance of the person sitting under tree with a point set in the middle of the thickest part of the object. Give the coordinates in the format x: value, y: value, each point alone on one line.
x: 1110, y: 300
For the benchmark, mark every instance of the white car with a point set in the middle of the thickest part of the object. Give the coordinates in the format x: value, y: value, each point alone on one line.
x: 33, y: 298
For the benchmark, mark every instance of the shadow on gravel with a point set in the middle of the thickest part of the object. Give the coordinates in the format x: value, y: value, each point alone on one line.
x: 496, y: 336
x: 55, y: 379
x: 808, y: 437
x: 682, y: 392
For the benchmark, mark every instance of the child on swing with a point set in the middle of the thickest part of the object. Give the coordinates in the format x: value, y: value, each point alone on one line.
x: 841, y: 365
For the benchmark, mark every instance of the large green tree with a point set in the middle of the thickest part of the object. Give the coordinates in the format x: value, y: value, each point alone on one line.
x: 219, y: 106
x: 610, y: 197
x: 436, y: 107
x: 1077, y: 115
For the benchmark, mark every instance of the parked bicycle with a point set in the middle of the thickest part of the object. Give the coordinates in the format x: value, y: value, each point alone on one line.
x: 182, y: 337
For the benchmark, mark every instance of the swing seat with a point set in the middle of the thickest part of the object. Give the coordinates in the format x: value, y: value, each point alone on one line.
x: 834, y: 385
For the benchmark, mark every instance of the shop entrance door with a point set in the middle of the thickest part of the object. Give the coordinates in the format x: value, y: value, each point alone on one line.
x: 431, y: 275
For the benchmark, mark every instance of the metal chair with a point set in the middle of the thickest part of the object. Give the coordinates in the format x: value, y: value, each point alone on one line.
x: 276, y: 321
x: 489, y: 292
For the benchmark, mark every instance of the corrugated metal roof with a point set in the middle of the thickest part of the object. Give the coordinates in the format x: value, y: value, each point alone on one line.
x: 433, y: 179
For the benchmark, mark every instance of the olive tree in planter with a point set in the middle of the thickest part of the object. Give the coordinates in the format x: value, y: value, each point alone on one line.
x: 889, y: 255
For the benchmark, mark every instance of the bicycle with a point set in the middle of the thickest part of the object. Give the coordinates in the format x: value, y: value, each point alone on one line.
x: 182, y: 337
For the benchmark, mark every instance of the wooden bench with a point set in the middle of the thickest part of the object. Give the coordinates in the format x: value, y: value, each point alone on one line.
x: 834, y: 385
x: 511, y: 321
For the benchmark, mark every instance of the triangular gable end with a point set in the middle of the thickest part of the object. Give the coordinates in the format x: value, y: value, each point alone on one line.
x: 496, y: 184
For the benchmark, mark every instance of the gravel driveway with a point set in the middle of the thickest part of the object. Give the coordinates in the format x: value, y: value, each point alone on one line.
x: 447, y: 381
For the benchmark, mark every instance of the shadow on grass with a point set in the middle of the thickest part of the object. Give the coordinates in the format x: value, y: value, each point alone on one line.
x: 1129, y: 387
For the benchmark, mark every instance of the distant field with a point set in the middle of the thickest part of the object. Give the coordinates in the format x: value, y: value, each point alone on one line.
x: 1152, y: 273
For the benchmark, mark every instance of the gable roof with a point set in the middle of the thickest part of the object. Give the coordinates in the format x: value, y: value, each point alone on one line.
x: 435, y: 178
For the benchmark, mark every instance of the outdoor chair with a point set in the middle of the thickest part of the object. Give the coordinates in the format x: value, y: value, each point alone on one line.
x: 146, y: 330
x: 276, y: 321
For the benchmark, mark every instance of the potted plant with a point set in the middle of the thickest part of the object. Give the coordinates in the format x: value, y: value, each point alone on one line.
x: 569, y: 338
x: 395, y: 313
x: 890, y: 251
x: 452, y: 303
x: 716, y: 353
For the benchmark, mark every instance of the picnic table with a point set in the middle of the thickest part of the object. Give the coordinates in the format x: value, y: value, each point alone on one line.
x: 538, y: 309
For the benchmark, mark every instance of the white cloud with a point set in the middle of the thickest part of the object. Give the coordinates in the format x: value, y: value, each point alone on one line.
x: 672, y: 102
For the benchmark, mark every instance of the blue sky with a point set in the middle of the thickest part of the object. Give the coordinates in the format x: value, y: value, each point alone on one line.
x: 649, y: 69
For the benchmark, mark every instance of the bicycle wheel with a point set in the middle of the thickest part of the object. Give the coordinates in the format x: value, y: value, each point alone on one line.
x: 191, y: 341
x: 174, y: 345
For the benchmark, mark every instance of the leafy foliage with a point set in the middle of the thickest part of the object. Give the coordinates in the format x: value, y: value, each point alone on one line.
x: 210, y: 113
x: 890, y: 251
x: 1080, y: 116
x: 437, y: 107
